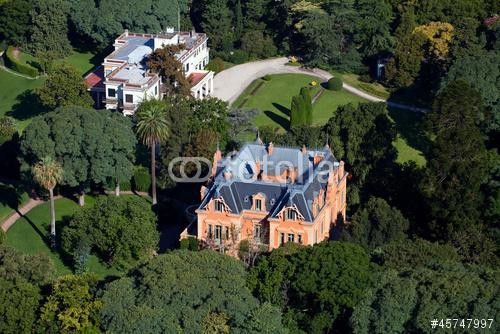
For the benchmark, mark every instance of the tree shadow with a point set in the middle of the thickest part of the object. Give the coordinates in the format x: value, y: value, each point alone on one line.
x: 10, y: 196
x: 281, y: 108
x: 410, y: 125
x: 27, y: 106
x: 282, y: 121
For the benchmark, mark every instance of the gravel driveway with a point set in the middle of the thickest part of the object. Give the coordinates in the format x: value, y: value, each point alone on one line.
x: 230, y: 83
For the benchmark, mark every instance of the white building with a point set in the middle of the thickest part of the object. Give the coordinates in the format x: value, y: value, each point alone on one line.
x: 123, y: 80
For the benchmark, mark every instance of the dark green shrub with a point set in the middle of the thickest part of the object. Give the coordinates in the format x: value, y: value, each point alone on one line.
x: 142, y: 179
x: 82, y: 255
x: 238, y: 57
x: 366, y: 78
x: 193, y: 244
x: 12, y: 63
x: 267, y: 77
x: 335, y: 84
x: 2, y: 236
x: 216, y: 65
x: 184, y: 244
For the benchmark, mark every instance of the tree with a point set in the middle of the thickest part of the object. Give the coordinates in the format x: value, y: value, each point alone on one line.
x: 362, y: 136
x: 373, y: 27
x: 482, y: 72
x: 14, y: 21
x: 64, y: 87
x: 376, y: 224
x: 121, y: 230
x: 301, y: 109
x: 186, y: 291
x: 164, y: 62
x: 48, y: 173
x: 238, y: 20
x: 457, y: 162
x: 257, y: 44
x: 21, y: 279
x: 100, y: 22
x: 216, y: 22
x: 7, y: 129
x: 315, y: 285
x: 49, y: 27
x: 84, y: 141
x: 72, y: 305
x: 438, y: 35
x: 152, y: 129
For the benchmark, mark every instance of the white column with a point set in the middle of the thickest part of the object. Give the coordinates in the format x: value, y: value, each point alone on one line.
x: 211, y: 85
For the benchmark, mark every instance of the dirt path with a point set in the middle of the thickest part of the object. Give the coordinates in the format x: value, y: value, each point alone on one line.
x: 230, y: 83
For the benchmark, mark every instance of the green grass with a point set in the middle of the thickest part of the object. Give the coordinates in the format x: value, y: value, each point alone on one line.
x: 373, y: 88
x: 274, y: 97
x: 29, y: 235
x: 11, y: 198
x: 16, y: 99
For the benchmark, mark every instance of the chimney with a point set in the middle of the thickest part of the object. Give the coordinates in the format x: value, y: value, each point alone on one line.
x: 270, y: 148
x: 217, y: 157
x: 227, y: 174
x: 203, y: 190
x: 257, y: 169
x: 317, y: 159
x: 304, y: 150
x: 341, y: 169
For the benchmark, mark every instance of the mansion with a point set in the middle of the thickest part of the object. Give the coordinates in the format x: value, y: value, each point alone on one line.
x: 123, y: 80
x: 272, y: 195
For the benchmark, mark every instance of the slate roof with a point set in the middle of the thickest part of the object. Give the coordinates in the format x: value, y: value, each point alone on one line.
x: 238, y: 190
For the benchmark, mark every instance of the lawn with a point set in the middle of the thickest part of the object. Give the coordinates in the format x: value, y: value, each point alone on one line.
x: 11, y: 198
x: 372, y: 88
x: 16, y: 97
x: 29, y: 235
x: 275, y: 107
x: 272, y: 99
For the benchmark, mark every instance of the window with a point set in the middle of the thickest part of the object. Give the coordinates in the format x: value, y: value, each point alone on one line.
x: 258, y: 205
x: 299, y: 238
x: 291, y: 237
x: 291, y: 214
x: 187, y: 67
x: 129, y: 98
x: 322, y: 223
x: 218, y: 232
x: 210, y: 232
x: 282, y: 238
x: 156, y: 90
x: 226, y: 234
x: 111, y: 92
x: 257, y: 231
x: 219, y: 206
x: 315, y: 236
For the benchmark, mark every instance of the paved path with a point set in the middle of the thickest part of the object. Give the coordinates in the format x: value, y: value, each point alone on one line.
x: 32, y: 203
x: 230, y: 83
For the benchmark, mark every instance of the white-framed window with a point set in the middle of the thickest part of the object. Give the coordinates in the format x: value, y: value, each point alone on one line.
x: 219, y: 206
x: 258, y: 205
x: 291, y: 237
x: 218, y: 232
x: 257, y: 231
x: 290, y: 214
x: 111, y: 92
x: 210, y: 231
x: 129, y: 98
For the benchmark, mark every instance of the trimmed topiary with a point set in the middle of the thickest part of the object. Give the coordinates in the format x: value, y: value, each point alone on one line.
x: 335, y: 84
x: 142, y: 179
x: 12, y: 63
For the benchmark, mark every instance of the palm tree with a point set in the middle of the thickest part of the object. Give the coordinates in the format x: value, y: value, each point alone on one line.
x: 48, y: 173
x: 152, y: 128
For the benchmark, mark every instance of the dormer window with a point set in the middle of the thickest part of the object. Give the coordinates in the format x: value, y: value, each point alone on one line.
x: 219, y: 206
x: 290, y: 214
x: 258, y: 205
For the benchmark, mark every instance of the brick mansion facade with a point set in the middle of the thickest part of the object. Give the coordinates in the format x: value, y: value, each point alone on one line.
x: 272, y: 195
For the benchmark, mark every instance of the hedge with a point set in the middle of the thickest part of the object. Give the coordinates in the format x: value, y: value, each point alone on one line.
x: 335, y: 84
x: 12, y: 63
x: 142, y: 179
